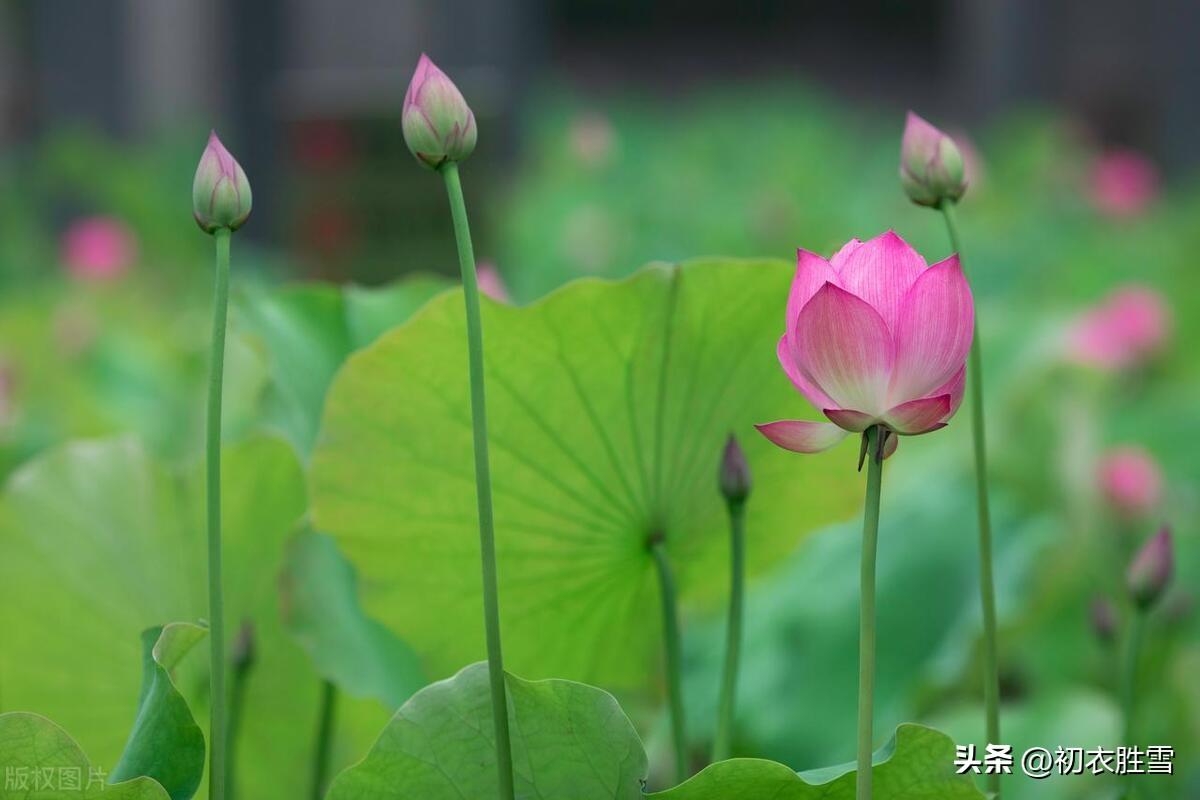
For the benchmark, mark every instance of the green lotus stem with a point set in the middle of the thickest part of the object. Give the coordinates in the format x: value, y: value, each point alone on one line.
x: 1133, y: 651
x: 866, y: 614
x: 672, y: 646
x: 324, y: 741
x: 733, y: 630
x: 483, y: 481
x: 237, y: 707
x: 987, y: 587
x: 216, y: 604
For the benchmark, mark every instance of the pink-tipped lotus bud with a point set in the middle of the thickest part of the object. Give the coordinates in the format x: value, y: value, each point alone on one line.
x: 1131, y: 482
x: 734, y: 476
x: 220, y: 193
x: 1150, y: 572
x: 438, y: 124
x: 1104, y: 620
x: 931, y: 166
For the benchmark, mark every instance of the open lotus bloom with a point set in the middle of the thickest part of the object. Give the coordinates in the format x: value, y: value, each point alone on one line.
x: 874, y: 337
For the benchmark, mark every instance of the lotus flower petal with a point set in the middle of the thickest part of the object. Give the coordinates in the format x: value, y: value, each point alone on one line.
x: 838, y: 260
x: 881, y: 272
x: 787, y: 359
x: 953, y: 387
x: 812, y: 272
x: 937, y: 321
x: 844, y: 347
x: 918, y: 416
x: 850, y: 420
x: 801, y: 435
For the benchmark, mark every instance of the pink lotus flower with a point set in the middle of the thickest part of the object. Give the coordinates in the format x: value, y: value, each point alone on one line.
x: 1123, y: 183
x: 98, y: 248
x: 1130, y: 481
x: 874, y: 337
x: 1127, y: 328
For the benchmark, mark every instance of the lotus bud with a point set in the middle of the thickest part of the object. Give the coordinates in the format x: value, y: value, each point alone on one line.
x: 220, y: 192
x: 931, y: 166
x: 438, y: 124
x: 243, y: 651
x: 1104, y: 620
x: 734, y: 475
x: 1151, y: 569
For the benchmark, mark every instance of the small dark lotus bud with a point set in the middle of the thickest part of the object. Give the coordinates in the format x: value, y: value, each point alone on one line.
x: 1104, y: 620
x: 1151, y: 569
x: 734, y: 475
x: 241, y: 655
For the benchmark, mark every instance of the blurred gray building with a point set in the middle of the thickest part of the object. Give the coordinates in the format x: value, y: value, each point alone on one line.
x: 135, y: 68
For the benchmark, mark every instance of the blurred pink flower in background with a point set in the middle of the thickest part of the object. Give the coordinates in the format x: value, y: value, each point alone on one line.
x: 1123, y: 183
x: 874, y: 337
x: 1131, y: 481
x: 98, y: 248
x: 1126, y: 328
x: 490, y: 282
x: 593, y: 138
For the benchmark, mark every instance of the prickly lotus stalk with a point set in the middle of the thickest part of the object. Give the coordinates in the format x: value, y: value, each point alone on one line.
x: 221, y: 195
x: 438, y: 125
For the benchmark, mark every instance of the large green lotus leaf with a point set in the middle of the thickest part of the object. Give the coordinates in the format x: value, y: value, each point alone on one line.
x: 40, y: 761
x: 100, y: 542
x: 569, y: 742
x: 917, y: 763
x: 609, y: 404
x: 307, y: 330
x: 166, y: 743
x: 319, y: 600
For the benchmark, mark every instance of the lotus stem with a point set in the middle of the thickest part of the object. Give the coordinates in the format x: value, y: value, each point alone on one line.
x: 987, y: 587
x: 866, y: 613
x: 483, y: 481
x: 733, y: 630
x: 324, y: 741
x: 1129, y: 677
x: 216, y: 603
x: 672, y: 646
x: 242, y: 660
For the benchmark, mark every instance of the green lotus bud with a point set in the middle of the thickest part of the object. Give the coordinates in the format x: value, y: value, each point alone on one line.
x: 220, y: 192
x: 438, y: 124
x: 931, y: 166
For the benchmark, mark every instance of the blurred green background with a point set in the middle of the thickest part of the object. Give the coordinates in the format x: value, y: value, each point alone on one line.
x: 104, y: 292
